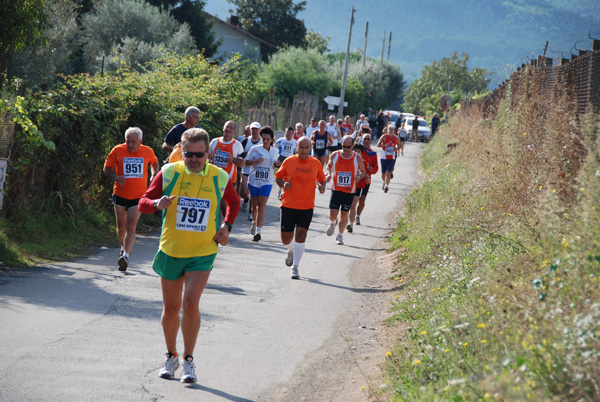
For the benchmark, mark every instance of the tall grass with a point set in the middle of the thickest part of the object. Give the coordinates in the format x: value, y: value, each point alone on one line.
x: 500, y: 260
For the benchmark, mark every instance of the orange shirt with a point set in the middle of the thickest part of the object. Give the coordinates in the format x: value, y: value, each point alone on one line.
x: 303, y: 176
x: 343, y: 177
x: 134, y: 167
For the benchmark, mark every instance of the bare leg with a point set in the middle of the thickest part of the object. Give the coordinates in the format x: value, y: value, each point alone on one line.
x: 195, y: 282
x: 171, y: 292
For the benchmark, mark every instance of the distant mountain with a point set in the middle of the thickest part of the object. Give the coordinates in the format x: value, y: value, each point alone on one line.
x: 498, y: 35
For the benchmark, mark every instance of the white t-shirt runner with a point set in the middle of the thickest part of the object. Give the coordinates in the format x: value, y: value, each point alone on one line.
x: 262, y: 173
x: 286, y: 147
x: 334, y: 134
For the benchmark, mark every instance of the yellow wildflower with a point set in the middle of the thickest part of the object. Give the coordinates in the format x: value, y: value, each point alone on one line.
x: 416, y: 362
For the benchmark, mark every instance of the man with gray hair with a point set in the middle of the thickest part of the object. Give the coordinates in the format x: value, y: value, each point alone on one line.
x: 192, y: 117
x: 127, y: 164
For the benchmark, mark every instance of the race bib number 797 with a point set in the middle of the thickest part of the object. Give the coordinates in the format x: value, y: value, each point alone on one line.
x: 192, y: 214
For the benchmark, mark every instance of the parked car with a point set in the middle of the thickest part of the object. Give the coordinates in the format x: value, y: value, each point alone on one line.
x: 396, y: 122
x: 424, y: 130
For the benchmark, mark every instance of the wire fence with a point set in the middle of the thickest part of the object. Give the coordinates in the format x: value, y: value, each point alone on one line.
x: 576, y: 79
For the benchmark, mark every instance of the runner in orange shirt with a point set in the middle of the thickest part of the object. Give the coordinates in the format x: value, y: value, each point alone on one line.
x: 127, y: 166
x: 298, y: 176
x: 345, y: 169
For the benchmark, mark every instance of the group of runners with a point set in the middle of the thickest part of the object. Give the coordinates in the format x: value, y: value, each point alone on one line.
x: 200, y: 201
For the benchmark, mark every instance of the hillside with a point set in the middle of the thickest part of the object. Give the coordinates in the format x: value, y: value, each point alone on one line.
x: 498, y: 36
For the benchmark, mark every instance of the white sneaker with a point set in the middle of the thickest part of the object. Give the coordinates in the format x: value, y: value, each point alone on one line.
x: 383, y: 186
x: 123, y: 262
x: 331, y: 227
x: 358, y: 220
x: 339, y: 240
x: 244, y: 206
x: 349, y: 228
x: 294, y: 273
x: 187, y: 370
x: 171, y: 365
x: 253, y: 228
x: 290, y: 258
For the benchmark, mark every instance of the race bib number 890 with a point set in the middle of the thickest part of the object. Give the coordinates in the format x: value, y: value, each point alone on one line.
x: 192, y: 214
x: 133, y: 168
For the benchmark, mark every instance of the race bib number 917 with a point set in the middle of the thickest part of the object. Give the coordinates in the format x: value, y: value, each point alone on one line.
x: 133, y: 168
x: 344, y: 179
x: 192, y: 214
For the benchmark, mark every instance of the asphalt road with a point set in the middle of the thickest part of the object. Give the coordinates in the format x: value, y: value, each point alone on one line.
x: 84, y: 331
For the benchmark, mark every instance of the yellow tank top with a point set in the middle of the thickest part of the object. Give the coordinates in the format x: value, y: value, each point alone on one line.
x: 192, y: 220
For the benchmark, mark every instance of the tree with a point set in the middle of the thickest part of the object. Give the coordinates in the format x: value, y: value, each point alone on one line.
x: 22, y: 24
x: 423, y: 94
x: 151, y: 32
x: 314, y: 40
x: 382, y: 84
x: 273, y: 21
x: 294, y: 69
x: 192, y: 13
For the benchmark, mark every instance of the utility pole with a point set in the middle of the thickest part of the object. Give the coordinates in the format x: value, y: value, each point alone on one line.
x: 383, y: 47
x: 343, y: 91
x: 365, y: 48
x: 389, y: 46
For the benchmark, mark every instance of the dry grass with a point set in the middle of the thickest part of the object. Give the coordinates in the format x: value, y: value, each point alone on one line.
x: 500, y: 250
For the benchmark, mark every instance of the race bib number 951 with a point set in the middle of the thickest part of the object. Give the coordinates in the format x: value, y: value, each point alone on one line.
x: 192, y: 214
x: 133, y: 168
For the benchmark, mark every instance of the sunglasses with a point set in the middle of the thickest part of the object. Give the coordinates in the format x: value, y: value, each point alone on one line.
x: 198, y: 155
x: 346, y: 147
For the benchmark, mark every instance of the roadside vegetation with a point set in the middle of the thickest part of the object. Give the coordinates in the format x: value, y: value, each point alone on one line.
x: 499, y: 270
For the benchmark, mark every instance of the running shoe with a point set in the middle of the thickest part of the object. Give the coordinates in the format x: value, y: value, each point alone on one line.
x: 339, y: 240
x: 171, y: 365
x: 290, y: 258
x: 253, y: 228
x: 123, y: 262
x: 245, y: 206
x: 349, y: 228
x: 331, y: 227
x: 294, y: 274
x: 402, y: 152
x: 249, y: 216
x: 385, y: 190
x: 187, y: 370
x: 121, y: 253
x: 392, y: 175
x: 358, y: 220
x: 383, y: 186
x: 256, y: 237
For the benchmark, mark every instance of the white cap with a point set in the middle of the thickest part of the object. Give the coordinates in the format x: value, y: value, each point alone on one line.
x: 255, y: 125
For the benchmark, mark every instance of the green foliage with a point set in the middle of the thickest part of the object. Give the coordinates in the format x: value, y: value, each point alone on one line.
x: 22, y: 24
x: 314, y: 40
x: 382, y: 84
x: 192, y: 13
x: 294, y: 69
x: 274, y: 21
x: 132, y: 31
x: 84, y: 118
x: 423, y: 95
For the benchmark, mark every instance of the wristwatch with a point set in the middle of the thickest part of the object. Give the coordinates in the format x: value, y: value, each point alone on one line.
x: 156, y: 204
x: 228, y: 225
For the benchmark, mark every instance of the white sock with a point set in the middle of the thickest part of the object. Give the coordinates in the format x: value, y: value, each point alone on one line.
x: 258, y: 229
x: 126, y: 255
x: 298, y: 252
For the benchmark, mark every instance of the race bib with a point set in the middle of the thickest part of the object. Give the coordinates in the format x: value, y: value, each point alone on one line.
x: 261, y: 174
x: 133, y: 168
x: 287, y: 148
x: 320, y: 144
x: 344, y: 179
x: 192, y: 214
x: 220, y: 158
x: 389, y: 150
